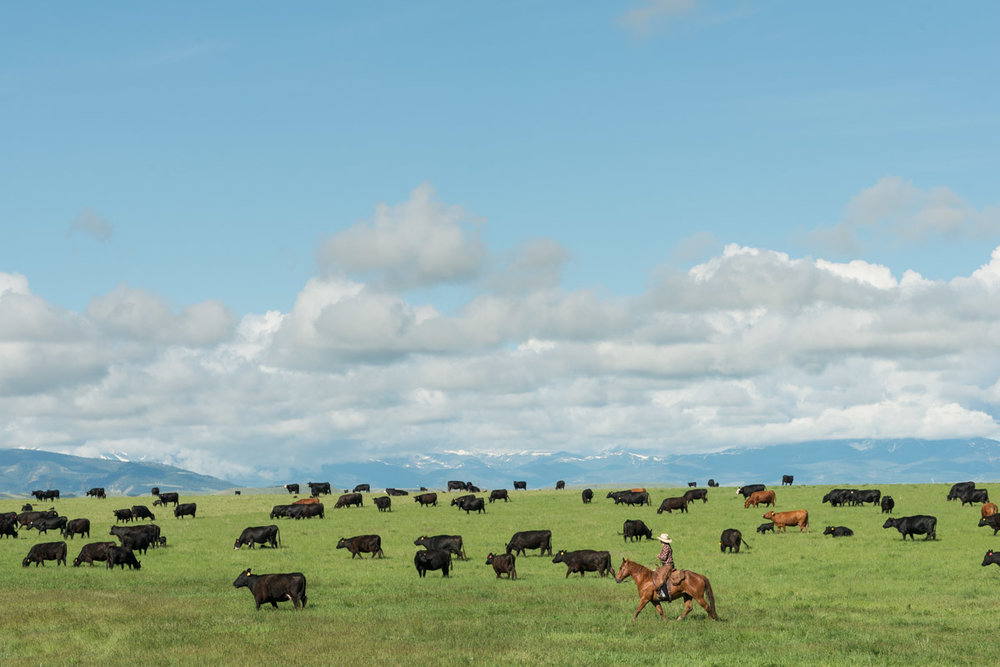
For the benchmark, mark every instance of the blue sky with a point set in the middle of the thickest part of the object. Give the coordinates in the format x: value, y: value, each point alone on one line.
x: 243, y: 207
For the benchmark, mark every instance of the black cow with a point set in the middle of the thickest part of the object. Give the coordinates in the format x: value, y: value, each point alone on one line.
x: 472, y: 488
x: 292, y: 488
x: 919, y: 524
x: 587, y: 495
x: 630, y: 497
x: 122, y: 556
x: 838, y: 497
x: 692, y: 484
x: 316, y: 488
x: 991, y: 558
x: 959, y: 488
x: 520, y: 485
x: 787, y: 479
x: 8, y: 528
x: 670, y: 504
x: 692, y: 495
x: 362, y: 487
x: 307, y: 511
x: 397, y: 492
x: 731, y: 539
x: 531, y: 539
x: 432, y: 559
x: 368, y: 544
x: 45, y: 524
x: 49, y: 494
x: 765, y: 527
x: 171, y: 497
x: 150, y: 530
x: 499, y: 494
x: 349, y: 499
x: 473, y: 505
x: 887, y: 504
x: 44, y: 551
x: 748, y: 489
x: 142, y: 512
x: 274, y: 588
x: 426, y: 499
x: 993, y: 521
x: 585, y: 560
x: 712, y: 483
x: 282, y: 511
x: 253, y: 535
x: 838, y: 531
x: 185, y: 509
x: 383, y: 503
x: 136, y: 541
x: 93, y: 551
x: 455, y: 485
x: 971, y: 496
x: 97, y: 492
x: 124, y: 515
x: 458, y: 500
x: 860, y: 497
x: 635, y: 529
x: 503, y: 564
x: 24, y: 519
x: 449, y: 543
x: 77, y: 527
x: 560, y: 485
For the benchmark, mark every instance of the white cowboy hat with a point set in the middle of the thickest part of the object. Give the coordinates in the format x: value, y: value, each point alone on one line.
x: 664, y: 538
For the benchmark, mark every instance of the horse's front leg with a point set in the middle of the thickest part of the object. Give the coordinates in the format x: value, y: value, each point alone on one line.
x: 642, y: 603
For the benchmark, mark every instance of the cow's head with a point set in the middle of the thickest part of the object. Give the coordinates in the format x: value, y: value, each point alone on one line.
x: 243, y: 579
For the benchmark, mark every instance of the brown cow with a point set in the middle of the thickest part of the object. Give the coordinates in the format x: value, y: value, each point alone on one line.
x: 988, y: 509
x: 766, y: 497
x: 781, y: 520
x: 306, y: 501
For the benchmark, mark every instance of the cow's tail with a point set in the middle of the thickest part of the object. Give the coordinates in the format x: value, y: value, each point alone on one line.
x: 277, y: 534
x: 744, y: 542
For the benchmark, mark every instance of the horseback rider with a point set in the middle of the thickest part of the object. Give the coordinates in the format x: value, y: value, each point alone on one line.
x: 666, y: 560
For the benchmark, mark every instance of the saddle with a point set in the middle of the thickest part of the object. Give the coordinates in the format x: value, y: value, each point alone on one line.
x: 674, y: 579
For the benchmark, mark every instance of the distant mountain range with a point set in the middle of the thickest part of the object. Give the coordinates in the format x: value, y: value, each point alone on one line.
x: 815, y: 462
x: 24, y: 470
x: 833, y: 462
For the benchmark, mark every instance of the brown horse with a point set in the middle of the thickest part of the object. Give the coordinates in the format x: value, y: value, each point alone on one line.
x: 692, y: 586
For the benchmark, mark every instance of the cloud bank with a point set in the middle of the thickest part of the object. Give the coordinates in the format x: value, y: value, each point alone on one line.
x: 750, y: 347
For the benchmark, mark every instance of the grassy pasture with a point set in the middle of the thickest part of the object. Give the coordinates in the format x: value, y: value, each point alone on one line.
x: 792, y: 598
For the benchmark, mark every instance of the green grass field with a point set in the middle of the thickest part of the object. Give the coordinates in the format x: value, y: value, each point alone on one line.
x: 792, y: 598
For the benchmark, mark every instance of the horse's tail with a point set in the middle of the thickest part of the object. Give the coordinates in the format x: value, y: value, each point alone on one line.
x: 711, y: 599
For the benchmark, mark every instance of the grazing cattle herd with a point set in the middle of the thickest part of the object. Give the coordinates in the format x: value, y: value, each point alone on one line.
x: 436, y: 552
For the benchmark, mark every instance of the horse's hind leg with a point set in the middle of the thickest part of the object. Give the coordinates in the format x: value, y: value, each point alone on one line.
x: 687, y: 608
x: 704, y: 604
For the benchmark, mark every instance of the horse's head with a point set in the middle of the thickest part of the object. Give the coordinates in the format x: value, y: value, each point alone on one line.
x: 624, y: 572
